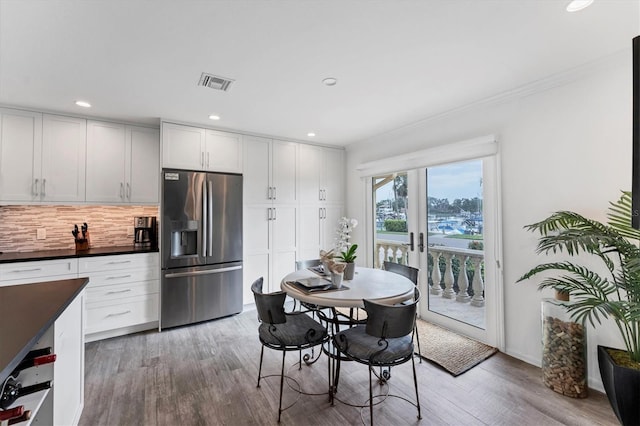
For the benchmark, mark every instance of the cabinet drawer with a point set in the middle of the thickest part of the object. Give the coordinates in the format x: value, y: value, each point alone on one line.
x: 119, y: 291
x: 122, y: 276
x: 38, y: 269
x: 123, y: 313
x: 117, y: 262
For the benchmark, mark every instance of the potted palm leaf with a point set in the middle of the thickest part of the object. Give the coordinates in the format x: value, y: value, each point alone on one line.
x: 612, y: 291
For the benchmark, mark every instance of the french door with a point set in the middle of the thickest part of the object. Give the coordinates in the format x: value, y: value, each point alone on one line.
x: 443, y: 219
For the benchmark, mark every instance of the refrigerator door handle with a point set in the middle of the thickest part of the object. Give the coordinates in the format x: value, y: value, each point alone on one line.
x: 205, y: 272
x: 204, y: 221
x: 210, y: 217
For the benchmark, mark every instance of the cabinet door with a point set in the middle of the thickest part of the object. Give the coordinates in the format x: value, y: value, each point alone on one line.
x: 68, y: 370
x: 309, y: 232
x: 283, y: 243
x: 309, y: 175
x: 64, y: 146
x: 257, y: 160
x: 143, y: 159
x: 256, y: 247
x: 333, y: 176
x: 331, y: 214
x: 106, y: 152
x: 183, y: 147
x: 20, y: 155
x: 283, y: 171
x: 223, y: 152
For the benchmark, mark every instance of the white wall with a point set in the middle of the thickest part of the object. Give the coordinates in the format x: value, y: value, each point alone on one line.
x: 563, y: 148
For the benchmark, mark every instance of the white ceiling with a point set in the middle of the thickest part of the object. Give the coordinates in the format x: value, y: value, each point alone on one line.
x: 396, y: 61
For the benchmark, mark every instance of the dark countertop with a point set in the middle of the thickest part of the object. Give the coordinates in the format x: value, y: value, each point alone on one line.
x: 28, y: 310
x: 61, y: 254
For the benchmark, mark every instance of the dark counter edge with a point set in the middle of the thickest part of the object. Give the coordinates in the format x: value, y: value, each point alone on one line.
x: 71, y: 253
x: 7, y: 370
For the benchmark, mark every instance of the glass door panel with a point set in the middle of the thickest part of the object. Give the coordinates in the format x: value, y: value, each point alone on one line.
x: 455, y: 242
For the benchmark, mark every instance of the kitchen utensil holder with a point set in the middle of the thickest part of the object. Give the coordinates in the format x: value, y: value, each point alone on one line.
x: 82, y: 244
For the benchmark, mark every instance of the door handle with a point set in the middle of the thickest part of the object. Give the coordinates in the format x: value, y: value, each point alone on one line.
x: 274, y: 213
x: 121, y: 190
x: 205, y: 272
x: 203, y: 221
x: 421, y: 242
x: 128, y: 191
x: 44, y: 190
x: 411, y: 245
x: 274, y: 193
x: 35, y: 188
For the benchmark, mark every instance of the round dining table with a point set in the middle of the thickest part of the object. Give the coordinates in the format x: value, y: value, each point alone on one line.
x: 367, y: 283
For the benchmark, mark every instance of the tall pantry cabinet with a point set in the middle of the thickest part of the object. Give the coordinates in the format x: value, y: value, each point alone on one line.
x: 321, y: 195
x: 270, y: 211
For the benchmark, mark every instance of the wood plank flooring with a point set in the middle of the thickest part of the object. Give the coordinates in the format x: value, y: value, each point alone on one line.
x: 205, y: 374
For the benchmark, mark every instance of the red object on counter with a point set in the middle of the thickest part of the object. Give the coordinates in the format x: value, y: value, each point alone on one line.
x: 11, y: 413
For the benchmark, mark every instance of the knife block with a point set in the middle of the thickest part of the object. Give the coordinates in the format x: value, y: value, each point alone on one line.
x: 82, y: 244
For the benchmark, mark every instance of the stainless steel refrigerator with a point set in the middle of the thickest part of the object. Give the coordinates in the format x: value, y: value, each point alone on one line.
x: 201, y: 246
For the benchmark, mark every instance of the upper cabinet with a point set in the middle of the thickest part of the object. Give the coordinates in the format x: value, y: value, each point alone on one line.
x: 42, y: 157
x: 64, y: 146
x: 270, y: 170
x: 122, y: 163
x: 20, y: 155
x: 193, y: 148
x: 321, y: 176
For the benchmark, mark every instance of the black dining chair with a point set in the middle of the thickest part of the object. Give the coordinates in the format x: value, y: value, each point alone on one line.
x: 385, y: 340
x: 411, y: 273
x: 282, y: 331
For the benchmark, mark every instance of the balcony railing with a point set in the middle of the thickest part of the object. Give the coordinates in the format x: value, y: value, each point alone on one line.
x: 459, y: 275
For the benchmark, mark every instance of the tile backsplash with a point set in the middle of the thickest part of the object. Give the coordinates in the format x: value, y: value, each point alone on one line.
x: 107, y: 225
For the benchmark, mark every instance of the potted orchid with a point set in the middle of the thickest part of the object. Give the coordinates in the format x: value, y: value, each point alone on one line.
x: 344, y: 247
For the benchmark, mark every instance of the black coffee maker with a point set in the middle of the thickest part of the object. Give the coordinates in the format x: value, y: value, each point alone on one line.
x: 145, y: 231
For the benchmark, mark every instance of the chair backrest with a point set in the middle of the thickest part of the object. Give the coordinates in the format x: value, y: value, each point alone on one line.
x: 309, y: 263
x: 404, y: 270
x: 270, y: 306
x: 389, y: 321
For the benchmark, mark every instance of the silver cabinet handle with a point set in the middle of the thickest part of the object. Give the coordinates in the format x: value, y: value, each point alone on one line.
x: 275, y: 194
x: 119, y: 291
x: 26, y: 270
x: 208, y: 163
x: 274, y: 213
x: 35, y: 188
x: 119, y: 277
x: 204, y: 220
x: 128, y: 191
x: 268, y: 192
x: 44, y: 183
x: 119, y: 313
x: 118, y: 262
x: 121, y: 190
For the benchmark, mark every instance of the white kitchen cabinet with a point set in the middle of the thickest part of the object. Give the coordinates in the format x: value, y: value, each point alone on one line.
x: 321, y: 175
x: 20, y: 155
x: 142, y: 167
x: 193, y: 148
x: 38, y: 271
x: 270, y: 170
x: 122, y: 163
x: 64, y: 145
x: 68, y: 370
x: 269, y: 245
x: 122, y: 295
x: 317, y: 229
x: 270, y: 211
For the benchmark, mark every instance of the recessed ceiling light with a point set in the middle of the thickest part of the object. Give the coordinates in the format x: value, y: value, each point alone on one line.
x: 214, y: 117
x: 311, y: 134
x: 83, y: 104
x: 330, y: 81
x: 577, y: 5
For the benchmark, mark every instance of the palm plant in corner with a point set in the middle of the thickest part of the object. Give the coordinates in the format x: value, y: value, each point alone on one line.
x: 612, y: 291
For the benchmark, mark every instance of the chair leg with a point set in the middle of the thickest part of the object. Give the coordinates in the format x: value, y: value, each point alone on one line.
x: 284, y: 353
x: 370, y: 395
x: 415, y: 330
x: 415, y: 382
x: 260, y: 368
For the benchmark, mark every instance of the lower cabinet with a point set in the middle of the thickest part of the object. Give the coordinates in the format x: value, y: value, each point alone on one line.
x: 122, y: 294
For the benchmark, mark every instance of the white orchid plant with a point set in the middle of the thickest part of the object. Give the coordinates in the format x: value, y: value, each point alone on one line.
x: 343, y: 233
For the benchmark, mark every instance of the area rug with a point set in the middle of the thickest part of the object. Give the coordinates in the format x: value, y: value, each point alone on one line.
x: 451, y: 351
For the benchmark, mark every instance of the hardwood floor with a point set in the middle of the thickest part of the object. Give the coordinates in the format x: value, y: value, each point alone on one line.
x: 206, y: 374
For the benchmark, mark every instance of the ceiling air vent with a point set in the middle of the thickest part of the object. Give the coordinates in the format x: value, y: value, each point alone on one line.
x: 215, y: 82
